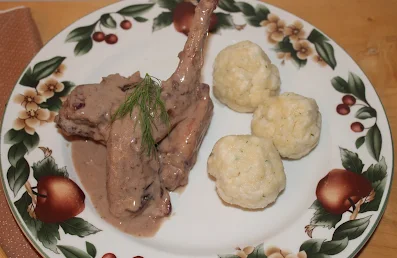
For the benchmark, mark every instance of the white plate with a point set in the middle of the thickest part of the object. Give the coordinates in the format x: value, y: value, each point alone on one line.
x: 201, y: 225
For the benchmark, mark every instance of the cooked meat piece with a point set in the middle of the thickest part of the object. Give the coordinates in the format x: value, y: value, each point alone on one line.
x: 132, y: 177
x: 178, y: 151
x: 133, y: 180
x: 86, y: 111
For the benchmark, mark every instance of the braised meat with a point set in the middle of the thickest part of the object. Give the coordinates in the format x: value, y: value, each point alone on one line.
x: 136, y: 182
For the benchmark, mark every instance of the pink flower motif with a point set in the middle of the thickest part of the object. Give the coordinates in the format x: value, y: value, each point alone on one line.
x: 49, y: 87
x: 275, y: 28
x: 30, y: 119
x: 303, y: 49
x: 29, y: 99
x: 295, y: 31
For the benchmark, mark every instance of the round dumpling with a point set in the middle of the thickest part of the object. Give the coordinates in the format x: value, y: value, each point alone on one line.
x: 243, y: 76
x: 292, y: 121
x: 248, y: 171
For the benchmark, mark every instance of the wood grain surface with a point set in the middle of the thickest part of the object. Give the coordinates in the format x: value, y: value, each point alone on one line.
x: 366, y: 29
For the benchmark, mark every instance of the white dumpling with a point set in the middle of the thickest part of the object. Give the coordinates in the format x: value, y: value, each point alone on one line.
x: 248, y: 170
x: 243, y: 76
x: 292, y: 121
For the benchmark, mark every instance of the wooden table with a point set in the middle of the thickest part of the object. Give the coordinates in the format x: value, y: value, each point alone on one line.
x: 366, y: 29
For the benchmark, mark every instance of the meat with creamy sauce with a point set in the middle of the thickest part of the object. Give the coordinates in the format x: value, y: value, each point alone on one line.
x: 137, y: 183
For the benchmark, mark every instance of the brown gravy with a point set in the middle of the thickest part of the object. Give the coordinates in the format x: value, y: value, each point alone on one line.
x: 89, y: 159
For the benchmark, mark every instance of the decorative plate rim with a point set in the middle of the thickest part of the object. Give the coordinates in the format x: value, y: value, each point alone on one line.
x: 352, y: 254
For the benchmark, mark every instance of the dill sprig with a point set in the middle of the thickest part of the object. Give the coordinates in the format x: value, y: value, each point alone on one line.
x: 145, y: 96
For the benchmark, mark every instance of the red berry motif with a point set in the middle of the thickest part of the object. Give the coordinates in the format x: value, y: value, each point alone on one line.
x: 183, y: 17
x: 138, y: 256
x: 111, y: 39
x: 357, y: 127
x: 343, y: 109
x: 349, y: 100
x: 98, y: 36
x: 213, y: 23
x: 126, y: 24
x: 109, y: 255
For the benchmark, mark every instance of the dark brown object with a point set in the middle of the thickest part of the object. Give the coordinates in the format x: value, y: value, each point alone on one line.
x: 111, y: 39
x: 98, y: 36
x: 357, y: 127
x: 349, y: 100
x: 342, y: 109
x: 126, y: 25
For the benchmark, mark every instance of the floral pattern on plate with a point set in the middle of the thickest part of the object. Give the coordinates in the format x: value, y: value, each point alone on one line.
x: 42, y: 89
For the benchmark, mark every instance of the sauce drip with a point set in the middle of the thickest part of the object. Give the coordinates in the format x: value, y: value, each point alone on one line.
x: 89, y: 159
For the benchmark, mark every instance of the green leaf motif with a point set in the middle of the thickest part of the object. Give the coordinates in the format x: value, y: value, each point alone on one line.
x: 47, y: 67
x: 316, y: 36
x: 326, y: 52
x: 351, y: 161
x: 259, y: 252
x: 340, y: 84
x: 228, y: 6
x: 22, y: 205
x: 379, y: 188
x: 13, y: 136
x: 48, y: 235
x: 108, y: 21
x: 80, y: 33
x: 356, y: 86
x: 18, y: 175
x: 163, y: 20
x: 91, y: 250
x: 168, y: 4
x: 334, y: 247
x: 140, y: 19
x: 68, y: 86
x: 73, y: 252
x: 376, y: 172
x: 83, y: 47
x: 31, y: 141
x: 28, y: 79
x: 135, y: 10
x: 16, y: 152
x: 246, y: 8
x: 261, y: 13
x: 365, y: 112
x: 318, y: 255
x: 373, y: 141
x: 360, y: 141
x: 228, y: 256
x: 78, y: 227
x: 351, y: 229
x: 225, y: 21
x: 285, y: 46
x: 53, y: 104
x: 323, y: 218
x: 312, y: 246
x: 48, y: 167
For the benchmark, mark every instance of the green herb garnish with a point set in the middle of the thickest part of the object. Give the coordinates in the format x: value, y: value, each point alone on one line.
x: 145, y: 96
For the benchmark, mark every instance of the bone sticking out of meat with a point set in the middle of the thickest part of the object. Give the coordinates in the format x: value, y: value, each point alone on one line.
x: 125, y: 170
x: 133, y: 182
x: 186, y: 78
